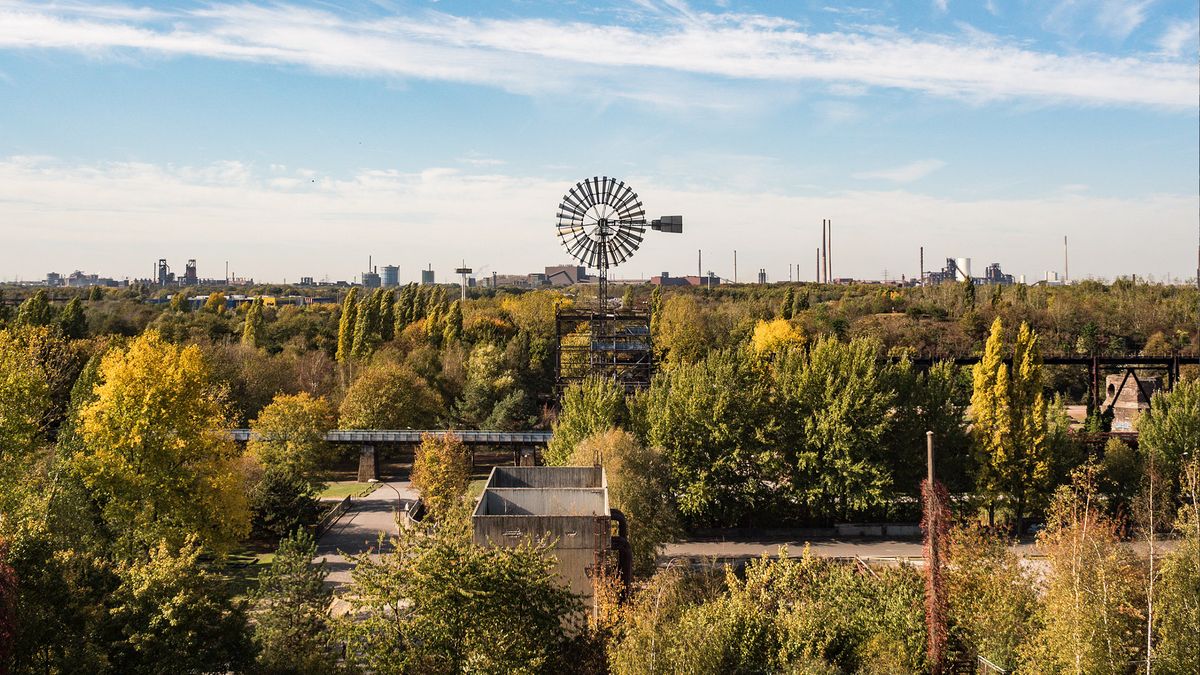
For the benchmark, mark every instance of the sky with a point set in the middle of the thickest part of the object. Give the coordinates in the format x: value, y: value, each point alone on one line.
x: 295, y: 138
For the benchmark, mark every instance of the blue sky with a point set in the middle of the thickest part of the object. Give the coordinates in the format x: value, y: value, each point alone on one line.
x: 296, y: 138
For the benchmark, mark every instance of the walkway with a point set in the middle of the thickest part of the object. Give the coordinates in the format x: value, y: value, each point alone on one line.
x: 358, y: 530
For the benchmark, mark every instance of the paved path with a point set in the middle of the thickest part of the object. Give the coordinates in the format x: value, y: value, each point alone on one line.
x: 358, y: 530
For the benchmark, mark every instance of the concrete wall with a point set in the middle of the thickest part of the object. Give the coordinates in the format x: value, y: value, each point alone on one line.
x: 543, y: 501
x: 546, y: 477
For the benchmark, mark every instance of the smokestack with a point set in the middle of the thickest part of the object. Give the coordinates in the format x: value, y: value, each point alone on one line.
x: 829, y: 254
x: 699, y: 265
x: 1066, y: 263
x: 818, y: 277
x: 824, y: 251
x: 922, y: 265
x: 735, y: 265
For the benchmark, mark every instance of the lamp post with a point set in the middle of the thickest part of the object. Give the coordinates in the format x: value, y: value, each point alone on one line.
x: 396, y: 508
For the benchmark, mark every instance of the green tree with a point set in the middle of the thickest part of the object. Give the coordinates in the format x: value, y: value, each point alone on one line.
x: 627, y: 299
x: 1010, y: 420
x: 387, y: 315
x: 492, y: 397
x: 389, y: 396
x: 441, y: 471
x: 833, y: 414
x: 292, y: 623
x: 96, y: 294
x: 345, y: 340
x: 289, y: 433
x: 152, y: 453
x: 992, y: 599
x: 405, y: 308
x: 25, y: 407
x: 1177, y: 593
x: 72, y: 320
x: 1171, y: 428
x: 438, y: 603
x: 282, y: 501
x: 639, y: 485
x: 595, y: 405
x: 255, y: 328
x: 36, y: 310
x: 454, y: 323
x: 1120, y: 475
x: 366, y: 327
x: 785, y: 308
x: 172, y: 615
x: 707, y: 418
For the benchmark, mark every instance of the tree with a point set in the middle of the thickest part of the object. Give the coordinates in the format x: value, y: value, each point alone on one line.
x: 785, y: 308
x: 1177, y: 594
x: 627, y: 299
x: 172, y: 615
x: 595, y: 405
x: 72, y: 320
x: 153, y: 454
x: 388, y: 395
x: 345, y: 341
x: 8, y: 606
x: 1089, y: 615
x: 215, y: 303
x: 772, y: 337
x: 1010, y: 420
x: 404, y: 308
x: 366, y: 327
x: 1171, y: 427
x: 255, y: 328
x: 441, y: 472
x: 832, y: 414
x: 991, y: 596
x: 25, y: 407
x: 454, y: 323
x: 491, y: 398
x: 289, y: 434
x: 708, y: 419
x: 281, y: 501
x: 36, y: 310
x: 639, y: 485
x: 1120, y: 475
x: 96, y: 294
x: 438, y: 603
x: 292, y: 623
x: 387, y: 315
x: 179, y: 301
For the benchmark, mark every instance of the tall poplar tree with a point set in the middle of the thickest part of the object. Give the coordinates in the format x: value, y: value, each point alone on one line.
x: 1010, y: 424
x: 366, y: 327
x: 255, y: 328
x: 387, y: 315
x: 789, y: 299
x: 346, y: 326
x: 404, y: 307
x: 454, y: 323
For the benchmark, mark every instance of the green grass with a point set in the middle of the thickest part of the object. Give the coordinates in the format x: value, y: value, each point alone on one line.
x: 347, y: 488
x: 242, y: 570
x: 475, y: 489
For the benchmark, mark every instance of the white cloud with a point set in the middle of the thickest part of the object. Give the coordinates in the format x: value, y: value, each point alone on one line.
x: 941, y: 5
x: 658, y: 65
x: 1113, y: 18
x: 274, y: 223
x: 906, y: 173
x: 1180, y: 39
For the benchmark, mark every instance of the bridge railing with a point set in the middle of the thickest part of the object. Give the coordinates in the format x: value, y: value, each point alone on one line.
x: 414, y: 436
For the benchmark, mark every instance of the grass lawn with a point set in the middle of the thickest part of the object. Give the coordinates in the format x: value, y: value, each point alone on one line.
x: 347, y: 488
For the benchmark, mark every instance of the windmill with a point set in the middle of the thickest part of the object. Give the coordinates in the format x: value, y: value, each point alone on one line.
x: 601, y: 223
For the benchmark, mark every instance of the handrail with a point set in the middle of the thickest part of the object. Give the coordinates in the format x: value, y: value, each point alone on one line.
x: 332, y: 516
x: 414, y: 436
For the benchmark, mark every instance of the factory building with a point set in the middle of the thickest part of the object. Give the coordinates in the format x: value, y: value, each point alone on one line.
x: 391, y: 276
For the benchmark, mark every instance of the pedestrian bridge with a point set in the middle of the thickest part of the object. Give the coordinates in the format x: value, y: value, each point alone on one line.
x: 522, y: 439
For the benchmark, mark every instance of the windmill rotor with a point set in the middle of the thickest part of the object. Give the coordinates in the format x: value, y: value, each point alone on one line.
x: 601, y: 222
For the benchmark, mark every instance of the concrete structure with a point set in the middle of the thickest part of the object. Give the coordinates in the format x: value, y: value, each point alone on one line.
x: 427, y: 278
x: 371, y: 279
x: 566, y: 275
x: 190, y: 275
x: 391, y: 276
x: 566, y: 505
x: 708, y: 281
x: 1129, y: 396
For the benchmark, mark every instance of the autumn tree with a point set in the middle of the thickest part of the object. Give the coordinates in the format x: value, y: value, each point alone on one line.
x: 1089, y: 618
x: 215, y: 304
x: 639, y: 485
x: 1171, y: 427
x: 595, y: 405
x: 153, y: 451
x: 772, y: 337
x: 1010, y: 420
x: 388, y: 395
x: 292, y: 626
x: 345, y: 341
x: 290, y: 433
x: 255, y: 328
x: 404, y: 308
x: 366, y: 327
x: 25, y: 405
x: 179, y: 301
x: 491, y: 397
x: 454, y: 323
x: 387, y: 315
x: 438, y: 603
x: 441, y: 471
x: 991, y: 596
x: 785, y: 307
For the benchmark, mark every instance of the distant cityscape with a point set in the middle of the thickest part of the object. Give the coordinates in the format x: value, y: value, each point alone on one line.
x: 388, y: 276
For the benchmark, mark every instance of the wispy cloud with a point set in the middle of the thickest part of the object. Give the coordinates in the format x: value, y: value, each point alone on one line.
x: 1182, y: 38
x: 906, y: 173
x: 1113, y: 18
x: 645, y: 63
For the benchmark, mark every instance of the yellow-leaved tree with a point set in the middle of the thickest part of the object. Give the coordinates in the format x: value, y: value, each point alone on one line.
x: 773, y: 337
x: 155, y: 454
x: 1009, y: 419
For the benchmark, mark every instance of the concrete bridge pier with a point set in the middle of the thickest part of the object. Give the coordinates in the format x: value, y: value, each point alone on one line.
x: 368, y: 464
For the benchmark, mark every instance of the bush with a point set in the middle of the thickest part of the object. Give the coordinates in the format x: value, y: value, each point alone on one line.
x: 282, y: 502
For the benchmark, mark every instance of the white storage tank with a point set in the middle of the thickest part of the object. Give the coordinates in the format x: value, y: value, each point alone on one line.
x: 963, y: 266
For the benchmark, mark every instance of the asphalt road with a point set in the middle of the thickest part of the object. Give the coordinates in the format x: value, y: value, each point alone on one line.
x: 358, y: 530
